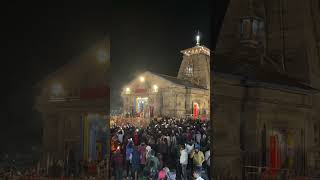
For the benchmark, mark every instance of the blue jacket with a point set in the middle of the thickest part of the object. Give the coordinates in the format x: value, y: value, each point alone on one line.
x: 135, y: 159
x: 129, y: 150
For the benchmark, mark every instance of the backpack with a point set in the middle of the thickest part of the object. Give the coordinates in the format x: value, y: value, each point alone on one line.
x: 153, y: 172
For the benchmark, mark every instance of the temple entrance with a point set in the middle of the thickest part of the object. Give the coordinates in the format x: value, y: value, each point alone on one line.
x: 195, y: 110
x: 94, y: 137
x: 141, y: 106
x: 284, y: 149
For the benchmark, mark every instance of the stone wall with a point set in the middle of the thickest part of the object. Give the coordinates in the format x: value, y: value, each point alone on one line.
x: 272, y: 108
x: 201, y: 69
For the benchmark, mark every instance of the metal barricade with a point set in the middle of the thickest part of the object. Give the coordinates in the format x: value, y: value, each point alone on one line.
x: 266, y: 173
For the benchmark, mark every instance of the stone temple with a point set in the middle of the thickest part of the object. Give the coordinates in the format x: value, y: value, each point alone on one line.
x: 153, y: 95
x: 73, y: 102
x: 265, y: 81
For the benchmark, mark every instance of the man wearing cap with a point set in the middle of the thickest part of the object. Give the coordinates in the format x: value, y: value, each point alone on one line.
x: 198, y: 157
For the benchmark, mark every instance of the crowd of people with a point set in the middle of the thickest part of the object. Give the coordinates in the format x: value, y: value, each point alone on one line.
x: 160, y: 149
x: 167, y: 148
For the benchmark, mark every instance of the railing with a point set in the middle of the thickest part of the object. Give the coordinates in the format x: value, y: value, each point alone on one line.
x: 267, y: 173
x: 63, y: 99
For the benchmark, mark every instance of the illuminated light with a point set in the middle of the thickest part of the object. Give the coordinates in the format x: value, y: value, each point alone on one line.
x: 128, y: 90
x: 142, y: 79
x: 198, y: 38
x: 155, y: 88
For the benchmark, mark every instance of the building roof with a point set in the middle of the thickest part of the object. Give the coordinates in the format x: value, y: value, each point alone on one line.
x: 178, y: 81
x: 196, y: 50
x: 75, y: 61
x: 257, y: 74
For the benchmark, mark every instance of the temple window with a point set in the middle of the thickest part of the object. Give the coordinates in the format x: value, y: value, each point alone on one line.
x: 56, y: 90
x: 189, y: 70
x: 251, y: 31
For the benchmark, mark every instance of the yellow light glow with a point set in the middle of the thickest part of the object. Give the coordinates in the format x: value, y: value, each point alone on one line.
x: 128, y: 90
x: 155, y: 88
x: 142, y: 79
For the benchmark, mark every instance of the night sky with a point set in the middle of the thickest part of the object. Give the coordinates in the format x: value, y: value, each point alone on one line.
x: 39, y: 38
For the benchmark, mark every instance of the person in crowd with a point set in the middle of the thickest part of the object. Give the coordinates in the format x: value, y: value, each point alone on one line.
x: 135, y: 163
x: 144, y: 136
x: 114, y: 143
x: 198, y: 158
x: 152, y: 142
x: 163, y: 149
x: 198, y: 137
x: 136, y: 137
x: 197, y: 175
x: 167, y: 137
x: 170, y: 175
x: 160, y: 158
x: 203, y: 141
x: 148, y: 152
x: 161, y: 175
x: 143, y: 155
x: 120, y: 135
x: 152, y: 171
x: 118, y: 163
x: 207, y: 158
x: 153, y: 165
x: 183, y: 162
x: 129, y: 151
x: 190, y: 149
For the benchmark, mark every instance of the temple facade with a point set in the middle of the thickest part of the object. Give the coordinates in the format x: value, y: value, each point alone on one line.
x: 265, y: 100
x: 74, y: 103
x: 153, y: 95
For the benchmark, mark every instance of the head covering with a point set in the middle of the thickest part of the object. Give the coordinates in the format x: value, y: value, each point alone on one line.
x: 197, y: 146
x: 166, y: 169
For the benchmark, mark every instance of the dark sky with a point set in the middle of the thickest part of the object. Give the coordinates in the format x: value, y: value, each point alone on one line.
x: 38, y: 38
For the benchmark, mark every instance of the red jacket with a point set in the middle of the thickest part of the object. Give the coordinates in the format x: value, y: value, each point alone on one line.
x: 136, y: 139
